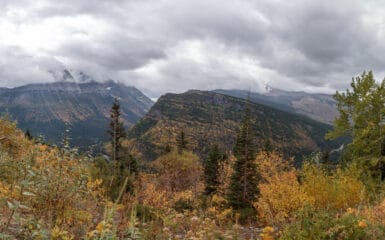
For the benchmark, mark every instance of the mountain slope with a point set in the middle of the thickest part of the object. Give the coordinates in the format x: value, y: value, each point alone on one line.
x: 320, y: 107
x: 49, y: 109
x: 209, y: 117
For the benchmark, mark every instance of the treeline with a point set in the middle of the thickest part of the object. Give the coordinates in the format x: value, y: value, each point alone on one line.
x: 56, y: 193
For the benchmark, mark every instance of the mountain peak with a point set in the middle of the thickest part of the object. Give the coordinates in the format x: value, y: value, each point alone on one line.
x: 70, y: 75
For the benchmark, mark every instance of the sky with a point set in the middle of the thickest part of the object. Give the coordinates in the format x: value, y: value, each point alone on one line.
x: 164, y: 46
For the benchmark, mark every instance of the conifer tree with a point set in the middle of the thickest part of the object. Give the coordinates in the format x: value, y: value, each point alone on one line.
x: 268, y: 147
x: 211, y: 168
x: 28, y: 135
x: 124, y: 166
x: 181, y: 141
x: 243, y: 189
x: 131, y: 163
x: 116, y: 131
x: 362, y: 118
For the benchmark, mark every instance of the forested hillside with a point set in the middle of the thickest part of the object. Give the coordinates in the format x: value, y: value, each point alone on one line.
x: 208, y: 117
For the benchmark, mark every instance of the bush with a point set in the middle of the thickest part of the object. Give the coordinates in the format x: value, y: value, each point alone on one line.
x: 325, y: 225
x: 334, y: 191
x: 281, y: 195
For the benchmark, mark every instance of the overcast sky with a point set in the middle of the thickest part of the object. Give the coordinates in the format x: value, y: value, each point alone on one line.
x: 173, y: 45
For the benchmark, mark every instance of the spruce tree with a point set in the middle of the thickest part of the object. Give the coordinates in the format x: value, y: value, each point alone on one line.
x: 28, y: 135
x: 131, y: 163
x: 268, y: 147
x: 181, y: 141
x: 243, y: 189
x: 211, y: 168
x: 123, y: 164
x: 116, y: 131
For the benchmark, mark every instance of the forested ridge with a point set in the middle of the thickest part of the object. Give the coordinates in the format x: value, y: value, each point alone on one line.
x: 207, y: 117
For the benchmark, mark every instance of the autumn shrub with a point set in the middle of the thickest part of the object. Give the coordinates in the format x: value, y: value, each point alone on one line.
x: 333, y: 191
x: 218, y: 209
x: 281, y: 195
x: 329, y: 226
x: 179, y: 171
x: 45, y: 191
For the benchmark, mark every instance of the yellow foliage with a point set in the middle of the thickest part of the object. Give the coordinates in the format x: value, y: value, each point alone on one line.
x: 270, y: 165
x: 225, y: 172
x: 362, y: 224
x: 44, y: 184
x: 281, y: 195
x: 148, y: 194
x: 334, y: 191
x: 267, y: 233
x: 60, y: 234
x: 218, y: 209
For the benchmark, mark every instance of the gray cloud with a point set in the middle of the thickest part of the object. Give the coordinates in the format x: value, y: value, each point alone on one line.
x: 175, y: 45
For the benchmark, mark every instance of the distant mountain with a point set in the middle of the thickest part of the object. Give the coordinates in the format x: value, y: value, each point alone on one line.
x: 320, y: 107
x: 83, y: 108
x: 209, y: 117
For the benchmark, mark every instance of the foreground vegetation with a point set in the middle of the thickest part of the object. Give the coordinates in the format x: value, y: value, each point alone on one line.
x: 54, y: 193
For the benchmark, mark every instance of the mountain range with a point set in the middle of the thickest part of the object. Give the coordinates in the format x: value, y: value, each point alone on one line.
x: 320, y: 107
x: 81, y: 108
x: 293, y: 122
x: 209, y: 117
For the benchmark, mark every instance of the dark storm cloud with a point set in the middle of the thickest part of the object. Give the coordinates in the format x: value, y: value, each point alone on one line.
x: 174, y: 45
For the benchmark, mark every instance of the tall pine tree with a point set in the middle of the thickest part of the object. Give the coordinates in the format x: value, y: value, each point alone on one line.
x: 124, y: 165
x: 243, y: 189
x: 211, y: 169
x: 117, y: 132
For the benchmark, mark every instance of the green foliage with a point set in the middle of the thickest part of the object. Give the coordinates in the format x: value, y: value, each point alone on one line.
x: 362, y: 115
x: 182, y: 205
x: 211, y: 169
x: 267, y: 146
x: 243, y: 188
x: 112, y: 176
x: 122, y: 165
x: 181, y: 141
x: 28, y: 135
x: 328, y: 226
x: 117, y: 132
